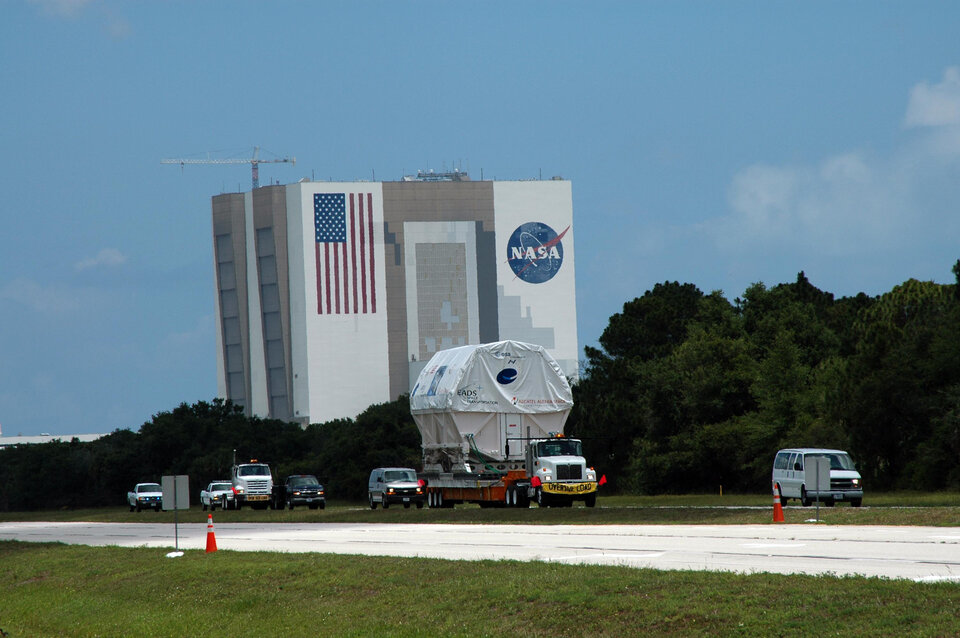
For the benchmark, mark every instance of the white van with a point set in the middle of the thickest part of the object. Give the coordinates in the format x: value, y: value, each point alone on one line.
x: 395, y: 485
x: 788, y: 475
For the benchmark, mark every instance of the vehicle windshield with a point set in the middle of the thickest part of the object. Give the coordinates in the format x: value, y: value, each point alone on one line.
x: 301, y: 481
x: 221, y: 487
x: 254, y: 470
x: 399, y: 475
x: 840, y: 461
x: 559, y: 447
x: 149, y: 487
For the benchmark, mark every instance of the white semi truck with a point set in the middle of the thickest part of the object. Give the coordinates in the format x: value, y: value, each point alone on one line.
x: 491, y: 420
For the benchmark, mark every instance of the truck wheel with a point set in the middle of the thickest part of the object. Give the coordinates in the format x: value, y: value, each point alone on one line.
x: 138, y: 507
x: 289, y: 504
x: 131, y: 508
x: 804, y: 499
x: 857, y: 502
x: 384, y: 504
x: 323, y: 506
x: 373, y: 503
x: 204, y: 507
x: 590, y: 501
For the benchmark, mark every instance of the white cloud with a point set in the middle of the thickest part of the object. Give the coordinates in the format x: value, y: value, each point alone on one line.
x: 113, y: 24
x: 854, y: 203
x: 936, y: 105
x: 61, y: 8
x: 43, y: 299
x: 106, y: 257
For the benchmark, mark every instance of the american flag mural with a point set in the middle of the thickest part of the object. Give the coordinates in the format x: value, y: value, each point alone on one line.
x: 346, y: 283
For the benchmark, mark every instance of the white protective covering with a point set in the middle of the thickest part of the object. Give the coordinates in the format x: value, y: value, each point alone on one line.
x: 488, y: 398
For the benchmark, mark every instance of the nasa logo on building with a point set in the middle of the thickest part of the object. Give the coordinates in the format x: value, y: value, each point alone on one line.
x: 535, y: 252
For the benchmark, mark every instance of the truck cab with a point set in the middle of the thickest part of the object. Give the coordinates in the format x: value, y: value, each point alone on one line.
x: 252, y: 485
x: 558, y: 472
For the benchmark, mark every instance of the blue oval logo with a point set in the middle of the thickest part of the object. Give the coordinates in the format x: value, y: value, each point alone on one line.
x: 507, y: 376
x: 535, y: 252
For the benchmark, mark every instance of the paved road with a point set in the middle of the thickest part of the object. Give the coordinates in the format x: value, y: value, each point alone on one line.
x: 918, y: 553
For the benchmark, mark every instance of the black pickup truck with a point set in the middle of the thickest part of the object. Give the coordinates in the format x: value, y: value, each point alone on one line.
x: 302, y: 489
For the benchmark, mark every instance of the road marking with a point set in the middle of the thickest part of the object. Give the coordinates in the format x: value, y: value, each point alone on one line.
x: 602, y: 555
x: 936, y: 579
x: 768, y: 545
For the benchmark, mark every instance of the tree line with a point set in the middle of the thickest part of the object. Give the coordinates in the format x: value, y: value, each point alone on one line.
x: 687, y: 392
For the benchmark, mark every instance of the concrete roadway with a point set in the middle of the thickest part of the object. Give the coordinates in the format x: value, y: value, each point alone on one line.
x: 924, y: 554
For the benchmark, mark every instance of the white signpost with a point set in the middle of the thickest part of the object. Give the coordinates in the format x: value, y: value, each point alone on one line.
x: 176, y: 496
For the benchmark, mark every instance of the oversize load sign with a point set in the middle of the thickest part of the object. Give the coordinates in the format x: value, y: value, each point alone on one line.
x: 569, y: 488
x: 535, y: 252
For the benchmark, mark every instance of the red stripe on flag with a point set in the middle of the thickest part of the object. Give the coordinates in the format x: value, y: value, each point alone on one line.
x: 373, y: 280
x: 353, y: 248
x: 319, y: 290
x: 346, y: 277
x: 363, y: 255
x: 326, y: 273
x: 336, y: 276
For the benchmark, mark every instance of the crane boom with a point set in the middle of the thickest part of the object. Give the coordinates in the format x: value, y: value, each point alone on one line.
x: 254, y: 162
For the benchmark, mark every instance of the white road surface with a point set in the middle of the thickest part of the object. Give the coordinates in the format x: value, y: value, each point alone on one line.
x: 924, y: 554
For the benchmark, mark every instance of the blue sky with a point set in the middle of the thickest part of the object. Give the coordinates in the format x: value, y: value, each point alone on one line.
x: 715, y: 143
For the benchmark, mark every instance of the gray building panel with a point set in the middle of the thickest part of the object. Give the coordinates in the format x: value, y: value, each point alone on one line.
x: 229, y: 241
x: 434, y: 202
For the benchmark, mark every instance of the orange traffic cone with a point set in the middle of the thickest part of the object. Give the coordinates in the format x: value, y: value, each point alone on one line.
x: 211, y: 539
x: 777, y: 508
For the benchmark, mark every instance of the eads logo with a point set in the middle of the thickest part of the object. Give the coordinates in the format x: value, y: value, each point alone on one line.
x: 535, y: 252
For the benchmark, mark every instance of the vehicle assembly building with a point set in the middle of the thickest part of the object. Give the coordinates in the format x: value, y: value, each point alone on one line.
x: 332, y: 296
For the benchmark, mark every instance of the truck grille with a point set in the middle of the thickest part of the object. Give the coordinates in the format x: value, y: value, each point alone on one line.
x: 257, y: 486
x: 569, y: 472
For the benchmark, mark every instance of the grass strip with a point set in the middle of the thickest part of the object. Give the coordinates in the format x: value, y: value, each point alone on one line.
x: 77, y: 591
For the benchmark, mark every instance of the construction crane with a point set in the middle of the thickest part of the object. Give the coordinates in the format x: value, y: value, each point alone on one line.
x: 254, y: 162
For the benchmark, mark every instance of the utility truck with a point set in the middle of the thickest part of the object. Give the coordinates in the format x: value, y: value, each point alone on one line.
x: 253, y: 485
x: 491, y: 420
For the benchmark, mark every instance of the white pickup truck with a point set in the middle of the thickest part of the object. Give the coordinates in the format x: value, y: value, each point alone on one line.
x: 145, y: 496
x: 217, y: 494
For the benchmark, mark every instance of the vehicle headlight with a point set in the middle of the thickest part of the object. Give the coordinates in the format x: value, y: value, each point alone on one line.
x: 320, y: 493
x: 389, y: 490
x: 419, y: 490
x: 239, y: 490
x: 856, y: 482
x: 296, y: 493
